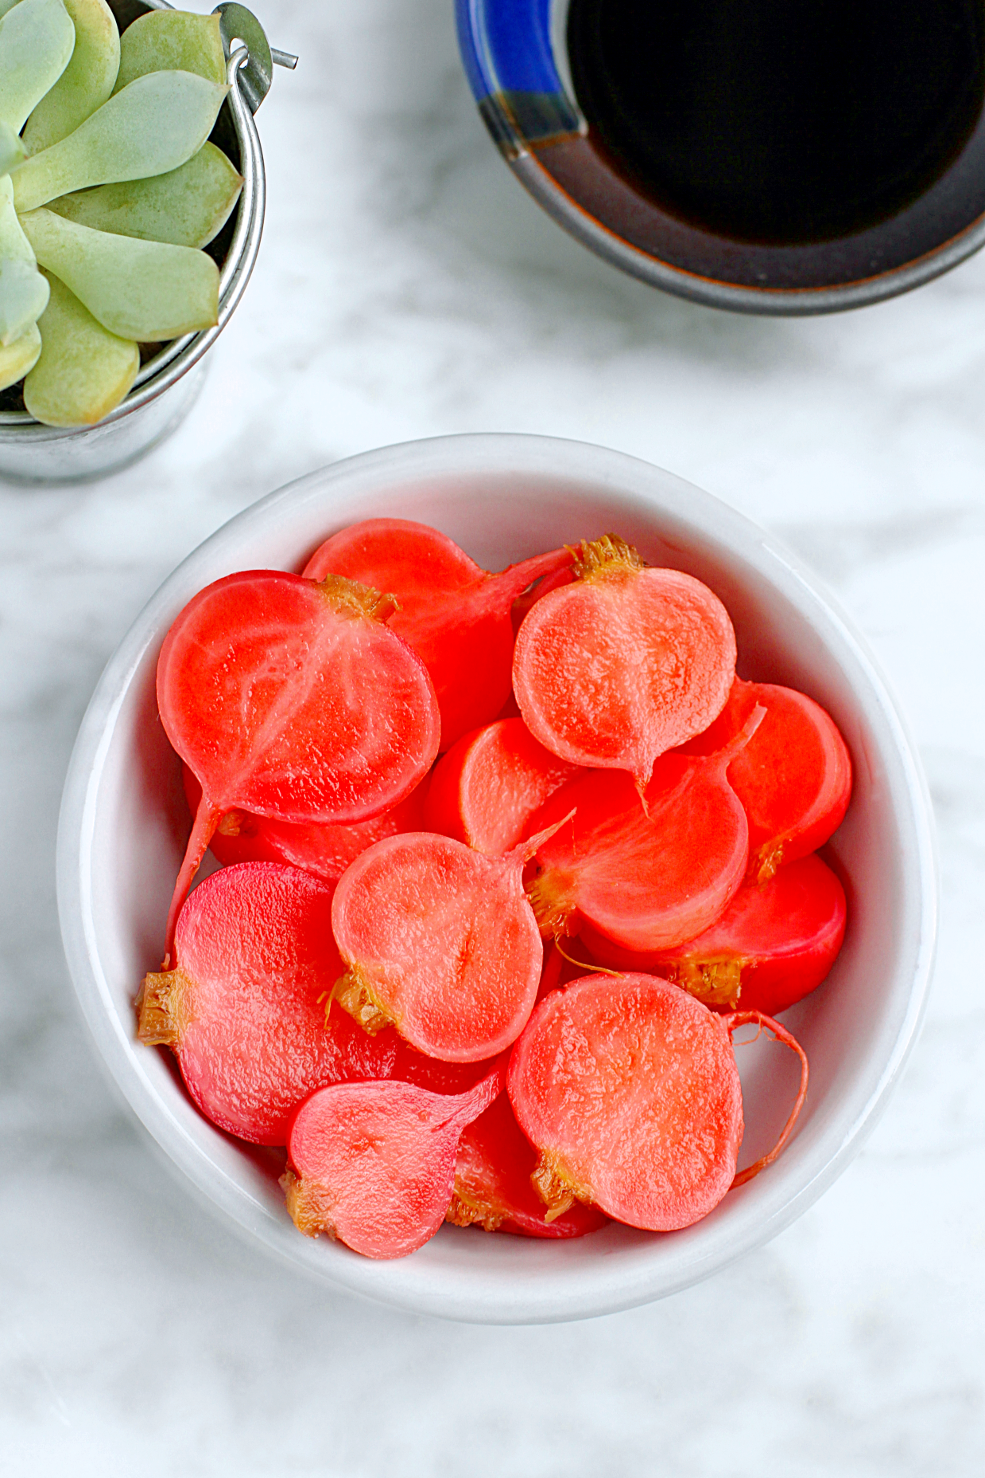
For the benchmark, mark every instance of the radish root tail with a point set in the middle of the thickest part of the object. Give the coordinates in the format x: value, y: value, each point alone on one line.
x: 589, y: 969
x: 780, y: 1034
x: 203, y: 828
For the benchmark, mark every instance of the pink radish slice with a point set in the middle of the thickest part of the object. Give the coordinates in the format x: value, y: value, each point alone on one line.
x: 624, y: 663
x: 374, y: 1163
x: 453, y: 613
x: 645, y: 879
x: 490, y: 784
x: 293, y: 699
x: 628, y: 1088
x: 441, y: 942
x: 244, y: 1010
x: 774, y: 943
x: 794, y: 778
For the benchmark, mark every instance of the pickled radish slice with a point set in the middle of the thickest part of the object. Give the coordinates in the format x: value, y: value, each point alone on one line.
x: 292, y: 699
x: 487, y: 787
x: 649, y: 878
x: 794, y: 778
x: 441, y: 942
x: 374, y: 1163
x: 319, y: 847
x: 625, y: 663
x: 492, y: 1182
x: 628, y: 1088
x: 453, y: 613
x: 244, y: 1011
x: 774, y: 943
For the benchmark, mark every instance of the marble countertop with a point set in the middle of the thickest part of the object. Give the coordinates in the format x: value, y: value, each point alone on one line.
x: 408, y: 287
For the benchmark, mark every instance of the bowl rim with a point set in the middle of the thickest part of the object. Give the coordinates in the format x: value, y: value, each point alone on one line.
x: 465, y: 1293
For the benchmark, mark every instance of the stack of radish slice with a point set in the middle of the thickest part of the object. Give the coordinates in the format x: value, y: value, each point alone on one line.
x: 498, y: 987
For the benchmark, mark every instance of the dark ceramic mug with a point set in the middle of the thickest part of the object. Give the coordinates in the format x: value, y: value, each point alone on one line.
x: 514, y: 53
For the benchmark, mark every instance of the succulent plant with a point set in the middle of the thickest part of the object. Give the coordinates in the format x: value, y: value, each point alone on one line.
x: 109, y: 190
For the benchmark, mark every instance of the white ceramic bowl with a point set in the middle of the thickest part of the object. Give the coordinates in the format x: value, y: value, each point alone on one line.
x: 503, y: 498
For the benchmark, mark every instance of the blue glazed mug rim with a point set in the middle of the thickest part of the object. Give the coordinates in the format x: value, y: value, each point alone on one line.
x: 509, y: 53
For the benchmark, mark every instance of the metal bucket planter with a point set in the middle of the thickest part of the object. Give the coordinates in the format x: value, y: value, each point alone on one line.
x: 168, y: 383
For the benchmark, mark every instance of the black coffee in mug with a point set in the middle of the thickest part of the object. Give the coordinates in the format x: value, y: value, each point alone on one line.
x: 781, y: 122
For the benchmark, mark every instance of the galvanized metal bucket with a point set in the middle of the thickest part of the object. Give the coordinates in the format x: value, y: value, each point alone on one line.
x: 169, y: 383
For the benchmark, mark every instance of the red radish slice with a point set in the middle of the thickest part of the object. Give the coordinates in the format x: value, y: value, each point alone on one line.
x: 374, y: 1163
x: 492, y: 1182
x: 648, y: 879
x: 625, y: 663
x: 245, y: 1010
x: 628, y: 1088
x: 441, y: 942
x: 794, y: 778
x: 774, y: 943
x: 485, y: 790
x: 292, y: 699
x: 453, y: 613
x: 320, y: 848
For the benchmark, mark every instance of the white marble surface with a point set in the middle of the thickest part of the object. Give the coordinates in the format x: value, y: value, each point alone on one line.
x: 408, y: 287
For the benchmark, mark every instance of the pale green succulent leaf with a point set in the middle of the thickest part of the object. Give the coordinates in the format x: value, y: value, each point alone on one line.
x: 172, y: 40
x: 144, y: 290
x: 36, y: 42
x: 23, y: 297
x: 13, y: 242
x: 12, y: 150
x: 86, y: 82
x: 83, y: 371
x: 188, y: 206
x: 20, y: 356
x: 152, y: 126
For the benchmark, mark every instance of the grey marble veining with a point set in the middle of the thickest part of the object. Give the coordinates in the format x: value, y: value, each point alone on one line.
x: 408, y: 287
